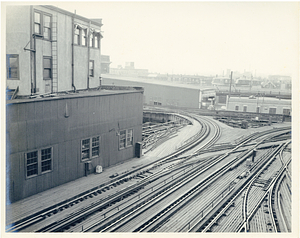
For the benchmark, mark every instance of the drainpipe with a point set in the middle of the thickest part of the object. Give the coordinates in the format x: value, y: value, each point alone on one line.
x: 32, y: 55
x: 73, y: 85
x: 88, y: 58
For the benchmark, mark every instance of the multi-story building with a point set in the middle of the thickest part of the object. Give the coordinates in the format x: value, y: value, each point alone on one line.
x: 50, y: 50
x: 79, y: 127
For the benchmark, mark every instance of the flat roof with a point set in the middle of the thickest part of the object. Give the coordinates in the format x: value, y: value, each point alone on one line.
x: 156, y: 82
x: 104, y: 91
x: 254, y: 100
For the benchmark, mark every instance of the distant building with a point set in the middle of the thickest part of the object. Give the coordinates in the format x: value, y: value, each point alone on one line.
x: 129, y: 70
x: 166, y: 93
x: 105, y: 64
x: 49, y: 50
x: 260, y: 105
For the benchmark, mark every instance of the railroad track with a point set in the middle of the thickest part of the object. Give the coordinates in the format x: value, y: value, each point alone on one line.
x: 117, y: 225
x: 53, y: 210
x: 134, y: 191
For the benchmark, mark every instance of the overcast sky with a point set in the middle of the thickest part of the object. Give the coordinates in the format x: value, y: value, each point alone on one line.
x: 198, y: 37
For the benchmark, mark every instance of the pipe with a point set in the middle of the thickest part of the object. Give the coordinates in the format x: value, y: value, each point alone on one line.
x: 88, y: 58
x: 31, y: 52
x: 73, y: 85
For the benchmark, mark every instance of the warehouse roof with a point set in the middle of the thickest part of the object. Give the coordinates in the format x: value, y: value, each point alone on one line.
x: 155, y: 81
x: 100, y: 91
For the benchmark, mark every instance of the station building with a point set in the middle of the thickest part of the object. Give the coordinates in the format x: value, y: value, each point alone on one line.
x: 164, y: 93
x: 60, y: 123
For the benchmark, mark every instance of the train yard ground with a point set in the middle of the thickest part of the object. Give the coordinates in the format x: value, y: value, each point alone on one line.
x: 164, y: 186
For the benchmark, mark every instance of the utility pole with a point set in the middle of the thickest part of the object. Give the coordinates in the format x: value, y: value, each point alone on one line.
x: 229, y: 89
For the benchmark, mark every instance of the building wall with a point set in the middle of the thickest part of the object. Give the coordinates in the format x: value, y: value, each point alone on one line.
x: 38, y: 124
x: 19, y: 31
x: 17, y: 37
x: 155, y: 94
x: 264, y: 104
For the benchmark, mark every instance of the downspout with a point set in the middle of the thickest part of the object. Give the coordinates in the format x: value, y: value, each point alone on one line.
x: 73, y: 85
x: 88, y: 58
x: 31, y: 53
x: 34, y: 64
x: 100, y: 78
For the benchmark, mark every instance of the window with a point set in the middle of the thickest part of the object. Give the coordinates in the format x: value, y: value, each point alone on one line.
x: 38, y: 162
x: 91, y: 68
x: 12, y: 66
x: 236, y: 108
x: 47, y: 27
x: 83, y: 37
x: 42, y: 24
x: 46, y: 159
x: 129, y: 139
x: 125, y: 138
x: 32, y: 163
x: 95, y: 146
x: 37, y: 23
x: 245, y: 109
x: 122, y: 139
x: 77, y: 36
x: 97, y: 41
x: 90, y: 148
x: 47, y: 74
x: 272, y: 110
x: 92, y: 40
x: 286, y: 111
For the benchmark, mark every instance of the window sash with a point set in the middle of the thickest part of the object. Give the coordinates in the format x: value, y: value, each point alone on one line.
x: 83, y: 37
x: 47, y: 72
x: 47, y: 27
x: 38, y: 162
x: 12, y: 65
x: 129, y: 137
x: 125, y: 138
x: 90, y: 148
x: 77, y: 36
x: 37, y: 23
x: 97, y: 42
x: 91, y: 68
x: 95, y: 146
x: 92, y: 40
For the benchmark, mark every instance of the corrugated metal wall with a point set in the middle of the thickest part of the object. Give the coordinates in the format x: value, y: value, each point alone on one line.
x: 35, y: 125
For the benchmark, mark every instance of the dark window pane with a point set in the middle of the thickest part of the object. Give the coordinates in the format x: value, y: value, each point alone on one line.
x: 47, y: 73
x: 13, y: 73
x: 47, y: 63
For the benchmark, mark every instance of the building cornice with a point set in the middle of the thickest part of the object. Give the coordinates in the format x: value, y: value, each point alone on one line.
x: 53, y: 8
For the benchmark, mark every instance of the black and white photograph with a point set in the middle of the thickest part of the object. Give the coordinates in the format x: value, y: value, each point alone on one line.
x: 160, y: 117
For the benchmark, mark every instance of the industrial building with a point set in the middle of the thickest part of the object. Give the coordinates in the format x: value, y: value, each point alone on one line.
x: 62, y: 124
x: 268, y: 105
x: 50, y: 50
x: 54, y: 140
x: 164, y: 93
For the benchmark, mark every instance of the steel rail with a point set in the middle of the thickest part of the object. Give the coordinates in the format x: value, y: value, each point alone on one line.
x: 215, y: 214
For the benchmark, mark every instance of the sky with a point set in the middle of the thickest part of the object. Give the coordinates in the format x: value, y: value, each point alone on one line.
x: 204, y: 38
